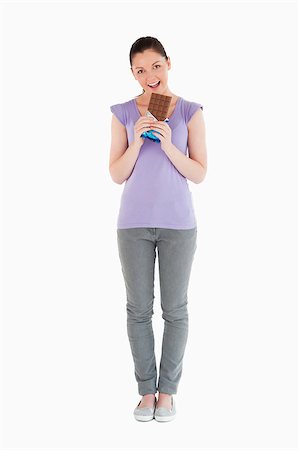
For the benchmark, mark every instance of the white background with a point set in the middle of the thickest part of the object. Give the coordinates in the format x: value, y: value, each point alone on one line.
x: 68, y: 375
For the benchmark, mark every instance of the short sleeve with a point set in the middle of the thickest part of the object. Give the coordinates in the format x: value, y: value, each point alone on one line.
x: 192, y: 107
x: 118, y: 111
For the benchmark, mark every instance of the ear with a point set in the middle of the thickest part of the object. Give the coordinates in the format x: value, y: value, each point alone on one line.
x: 169, y: 63
x: 133, y: 73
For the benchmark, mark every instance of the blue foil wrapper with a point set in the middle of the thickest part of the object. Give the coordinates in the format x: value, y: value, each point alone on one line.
x: 149, y: 134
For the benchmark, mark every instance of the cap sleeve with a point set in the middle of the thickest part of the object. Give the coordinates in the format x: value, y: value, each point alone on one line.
x: 118, y: 111
x: 191, y: 109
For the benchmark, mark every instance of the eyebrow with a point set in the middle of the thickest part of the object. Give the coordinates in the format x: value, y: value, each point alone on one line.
x: 152, y: 64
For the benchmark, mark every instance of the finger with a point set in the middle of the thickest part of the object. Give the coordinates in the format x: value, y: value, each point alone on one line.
x: 162, y: 125
x: 158, y: 127
x: 158, y: 134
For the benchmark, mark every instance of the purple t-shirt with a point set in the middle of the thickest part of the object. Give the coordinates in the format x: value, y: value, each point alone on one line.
x: 156, y: 194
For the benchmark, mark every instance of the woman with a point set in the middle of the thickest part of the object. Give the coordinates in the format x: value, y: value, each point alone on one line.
x: 156, y: 211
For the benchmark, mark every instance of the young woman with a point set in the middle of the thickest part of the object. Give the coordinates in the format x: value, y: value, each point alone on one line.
x: 156, y: 211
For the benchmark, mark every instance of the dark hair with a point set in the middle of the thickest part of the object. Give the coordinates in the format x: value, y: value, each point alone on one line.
x: 146, y: 43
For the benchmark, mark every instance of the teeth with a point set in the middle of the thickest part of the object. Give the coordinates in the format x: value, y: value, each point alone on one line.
x: 154, y: 84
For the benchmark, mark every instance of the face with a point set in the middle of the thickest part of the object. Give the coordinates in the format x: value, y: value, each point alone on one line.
x: 150, y: 67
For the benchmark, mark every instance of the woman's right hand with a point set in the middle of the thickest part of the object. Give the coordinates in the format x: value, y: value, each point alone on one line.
x: 141, y: 125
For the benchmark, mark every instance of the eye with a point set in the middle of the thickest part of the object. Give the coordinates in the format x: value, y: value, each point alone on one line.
x: 157, y: 65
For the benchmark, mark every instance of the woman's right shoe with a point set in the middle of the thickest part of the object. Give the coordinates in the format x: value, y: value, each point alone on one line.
x: 144, y: 414
x: 163, y: 414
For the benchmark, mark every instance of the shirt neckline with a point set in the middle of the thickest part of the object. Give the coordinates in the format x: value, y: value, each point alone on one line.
x: 173, y: 112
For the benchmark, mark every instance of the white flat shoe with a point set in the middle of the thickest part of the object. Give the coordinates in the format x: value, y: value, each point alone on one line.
x: 163, y: 414
x: 144, y: 414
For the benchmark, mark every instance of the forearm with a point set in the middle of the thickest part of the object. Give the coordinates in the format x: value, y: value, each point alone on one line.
x: 121, y: 169
x: 189, y: 168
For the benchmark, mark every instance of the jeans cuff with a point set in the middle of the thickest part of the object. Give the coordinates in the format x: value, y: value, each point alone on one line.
x: 167, y: 387
x: 147, y: 387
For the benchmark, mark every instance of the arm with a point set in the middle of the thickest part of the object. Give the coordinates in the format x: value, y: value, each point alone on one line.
x: 193, y: 167
x: 122, y: 156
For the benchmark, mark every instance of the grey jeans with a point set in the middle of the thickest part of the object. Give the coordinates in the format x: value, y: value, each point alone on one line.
x: 137, y: 252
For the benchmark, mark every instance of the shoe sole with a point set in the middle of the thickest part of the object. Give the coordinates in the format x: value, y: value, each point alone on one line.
x: 143, y: 418
x: 164, y: 418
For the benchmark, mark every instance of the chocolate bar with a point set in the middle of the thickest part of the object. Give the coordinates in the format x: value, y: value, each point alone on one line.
x: 159, y: 105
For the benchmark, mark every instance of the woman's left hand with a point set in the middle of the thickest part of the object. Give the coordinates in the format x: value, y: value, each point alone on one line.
x: 165, y: 136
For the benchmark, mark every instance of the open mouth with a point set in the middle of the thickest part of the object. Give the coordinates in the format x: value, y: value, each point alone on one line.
x: 154, y: 86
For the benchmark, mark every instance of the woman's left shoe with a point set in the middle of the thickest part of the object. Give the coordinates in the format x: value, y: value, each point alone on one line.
x: 163, y: 414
